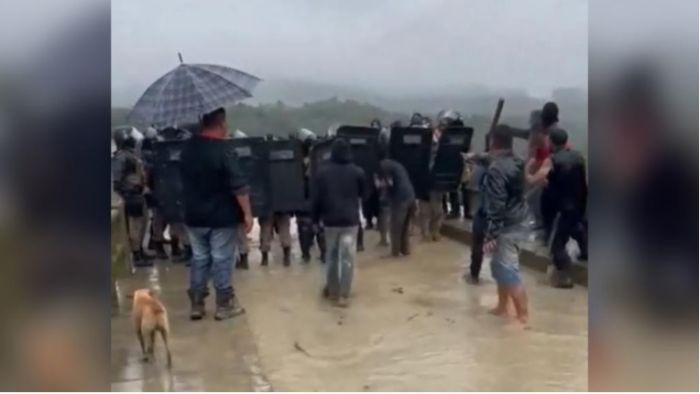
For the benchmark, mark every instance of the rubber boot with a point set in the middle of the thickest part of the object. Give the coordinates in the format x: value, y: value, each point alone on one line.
x: 141, y: 259
x: 561, y: 279
x: 287, y: 256
x: 242, y: 263
x: 227, y: 305
x: 305, y: 256
x: 264, y: 259
x: 197, y: 310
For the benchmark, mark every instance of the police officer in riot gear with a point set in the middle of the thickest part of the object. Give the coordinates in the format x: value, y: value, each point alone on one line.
x: 451, y: 118
x: 431, y: 211
x: 305, y: 227
x: 278, y: 222
x: 155, y: 241
x: 129, y: 181
x: 169, y: 210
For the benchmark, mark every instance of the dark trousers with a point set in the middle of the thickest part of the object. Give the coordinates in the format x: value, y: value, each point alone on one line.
x: 307, y: 234
x: 567, y: 225
x: 581, y: 237
x: 548, y: 210
x: 370, y: 207
x: 454, y: 203
x: 478, y: 235
x: 401, y: 214
x: 360, y: 238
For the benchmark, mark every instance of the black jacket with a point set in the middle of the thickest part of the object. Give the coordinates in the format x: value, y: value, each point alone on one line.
x: 567, y: 186
x: 337, y: 188
x: 400, y: 190
x: 504, y: 188
x: 211, y: 178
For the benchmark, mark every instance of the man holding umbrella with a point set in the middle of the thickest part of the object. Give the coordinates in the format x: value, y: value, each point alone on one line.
x: 215, y: 191
x: 216, y: 202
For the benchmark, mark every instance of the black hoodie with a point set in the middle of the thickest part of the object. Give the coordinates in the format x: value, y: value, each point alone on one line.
x: 337, y: 188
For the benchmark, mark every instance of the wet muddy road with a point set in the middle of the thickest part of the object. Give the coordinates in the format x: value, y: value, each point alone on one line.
x: 412, y: 325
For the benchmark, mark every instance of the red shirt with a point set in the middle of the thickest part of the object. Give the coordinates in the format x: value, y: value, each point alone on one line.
x: 541, y: 148
x: 212, y: 134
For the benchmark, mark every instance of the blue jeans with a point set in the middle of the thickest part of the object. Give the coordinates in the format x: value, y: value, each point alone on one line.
x: 341, y: 243
x: 213, y: 251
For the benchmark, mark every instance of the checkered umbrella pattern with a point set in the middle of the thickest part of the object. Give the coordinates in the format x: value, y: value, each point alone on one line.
x: 190, y: 90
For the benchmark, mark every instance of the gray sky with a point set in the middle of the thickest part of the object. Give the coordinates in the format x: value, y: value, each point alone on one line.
x: 402, y: 45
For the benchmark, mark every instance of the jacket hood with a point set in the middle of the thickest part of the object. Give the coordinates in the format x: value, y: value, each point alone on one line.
x: 340, y: 151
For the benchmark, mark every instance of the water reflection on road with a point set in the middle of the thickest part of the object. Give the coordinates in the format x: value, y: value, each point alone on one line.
x: 413, y: 325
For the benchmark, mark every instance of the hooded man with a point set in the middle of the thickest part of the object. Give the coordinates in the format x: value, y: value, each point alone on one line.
x: 394, y: 178
x: 336, y: 192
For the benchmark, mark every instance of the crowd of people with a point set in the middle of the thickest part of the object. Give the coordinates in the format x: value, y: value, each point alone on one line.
x: 210, y: 231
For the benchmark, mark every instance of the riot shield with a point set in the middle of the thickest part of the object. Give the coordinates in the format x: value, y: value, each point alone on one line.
x: 364, y: 143
x: 286, y: 175
x: 167, y: 180
x: 446, y: 173
x: 252, y: 157
x: 410, y: 146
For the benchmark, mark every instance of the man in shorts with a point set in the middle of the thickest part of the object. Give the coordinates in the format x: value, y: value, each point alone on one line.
x: 506, y: 214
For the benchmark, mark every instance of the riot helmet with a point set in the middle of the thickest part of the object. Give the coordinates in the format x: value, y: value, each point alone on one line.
x: 416, y: 119
x: 174, y: 134
x: 304, y: 134
x: 124, y: 138
x: 151, y: 133
x: 333, y: 130
x: 449, y: 117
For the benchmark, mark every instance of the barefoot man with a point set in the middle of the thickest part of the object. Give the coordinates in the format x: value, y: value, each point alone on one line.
x: 506, y: 212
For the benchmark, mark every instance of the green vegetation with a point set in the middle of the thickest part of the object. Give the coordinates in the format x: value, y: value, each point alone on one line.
x: 279, y: 119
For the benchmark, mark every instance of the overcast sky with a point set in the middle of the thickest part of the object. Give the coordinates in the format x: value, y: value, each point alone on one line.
x: 405, y: 45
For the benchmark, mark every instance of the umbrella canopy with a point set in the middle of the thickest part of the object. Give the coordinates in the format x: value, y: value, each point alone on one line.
x: 190, y: 90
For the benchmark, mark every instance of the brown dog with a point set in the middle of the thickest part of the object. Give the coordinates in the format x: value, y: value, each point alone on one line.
x: 149, y: 317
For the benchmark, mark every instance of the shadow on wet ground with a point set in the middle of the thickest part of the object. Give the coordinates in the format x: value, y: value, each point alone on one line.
x: 413, y: 325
